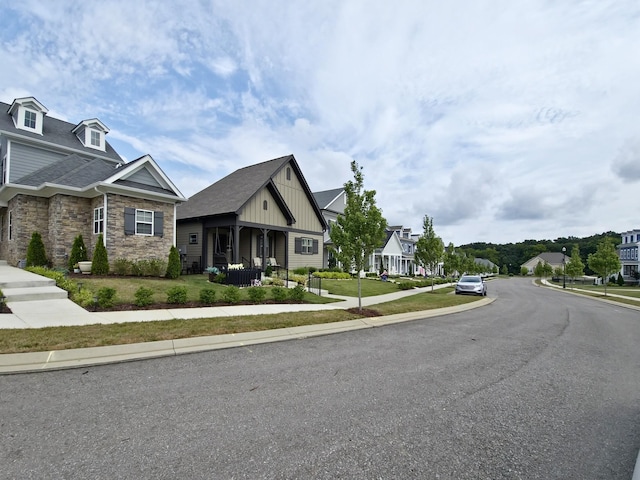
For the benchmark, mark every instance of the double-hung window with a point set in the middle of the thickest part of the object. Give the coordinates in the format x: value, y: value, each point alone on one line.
x: 144, y: 222
x: 98, y: 220
x: 95, y: 138
x: 307, y: 245
x: 30, y: 119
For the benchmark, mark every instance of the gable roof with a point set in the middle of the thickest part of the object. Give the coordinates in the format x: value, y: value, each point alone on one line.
x: 229, y: 194
x: 55, y: 132
x: 326, y: 197
x: 552, y: 258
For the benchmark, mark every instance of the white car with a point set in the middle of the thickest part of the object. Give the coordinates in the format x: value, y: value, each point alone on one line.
x: 472, y: 285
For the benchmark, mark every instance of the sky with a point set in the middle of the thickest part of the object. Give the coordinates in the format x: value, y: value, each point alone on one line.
x: 502, y: 121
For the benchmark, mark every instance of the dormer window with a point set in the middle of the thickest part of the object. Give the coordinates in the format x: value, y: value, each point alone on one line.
x: 91, y: 133
x: 30, y: 119
x: 28, y: 114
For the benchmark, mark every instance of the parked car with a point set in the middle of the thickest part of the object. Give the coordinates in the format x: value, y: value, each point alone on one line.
x: 472, y: 285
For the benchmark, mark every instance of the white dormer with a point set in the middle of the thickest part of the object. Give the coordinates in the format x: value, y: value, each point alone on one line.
x: 28, y: 114
x: 91, y: 133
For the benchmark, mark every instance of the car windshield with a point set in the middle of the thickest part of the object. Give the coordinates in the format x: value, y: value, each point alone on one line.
x: 470, y: 279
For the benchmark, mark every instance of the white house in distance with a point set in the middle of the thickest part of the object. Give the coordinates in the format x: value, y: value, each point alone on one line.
x: 555, y: 259
x: 628, y: 253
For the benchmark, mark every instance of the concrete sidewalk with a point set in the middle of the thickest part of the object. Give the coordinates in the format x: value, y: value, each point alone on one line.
x: 63, y: 312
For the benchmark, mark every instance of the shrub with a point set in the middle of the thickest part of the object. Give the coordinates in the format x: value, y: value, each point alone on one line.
x: 143, y: 297
x: 61, y: 280
x: 100, y: 261
x: 207, y: 296
x: 177, y: 295
x: 231, y: 294
x: 84, y: 297
x: 268, y: 271
x: 301, y: 271
x: 36, y: 256
x: 336, y: 275
x: 106, y: 297
x: 278, y: 282
x: 122, y: 266
x: 299, y: 279
x: 174, y: 267
x: 156, y: 267
x: 78, y: 252
x: 406, y: 285
x: 137, y: 268
x: 620, y: 280
x: 256, y: 294
x: 297, y: 293
x: 279, y: 294
x: 220, y: 278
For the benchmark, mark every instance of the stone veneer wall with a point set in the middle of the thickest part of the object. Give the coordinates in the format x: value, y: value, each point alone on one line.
x: 68, y: 217
x: 136, y: 247
x: 29, y: 214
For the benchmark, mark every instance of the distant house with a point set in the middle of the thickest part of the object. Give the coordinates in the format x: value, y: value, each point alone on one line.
x: 258, y: 215
x: 555, y: 259
x: 628, y: 253
x: 62, y: 180
x: 487, y: 264
x: 331, y: 203
x: 396, y: 256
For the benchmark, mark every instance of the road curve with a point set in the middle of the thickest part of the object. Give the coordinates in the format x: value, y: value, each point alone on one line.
x: 537, y: 385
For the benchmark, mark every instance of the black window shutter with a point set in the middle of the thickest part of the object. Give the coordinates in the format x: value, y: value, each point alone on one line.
x: 298, y: 245
x: 158, y: 224
x: 315, y: 247
x: 129, y: 221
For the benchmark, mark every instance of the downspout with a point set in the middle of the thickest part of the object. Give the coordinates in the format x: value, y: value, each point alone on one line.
x: 104, y: 216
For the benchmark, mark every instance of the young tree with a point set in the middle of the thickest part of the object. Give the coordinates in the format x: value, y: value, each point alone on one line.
x: 605, y: 261
x: 78, y: 252
x: 429, y: 248
x: 451, y: 262
x: 361, y: 229
x: 575, y: 267
x: 538, y: 271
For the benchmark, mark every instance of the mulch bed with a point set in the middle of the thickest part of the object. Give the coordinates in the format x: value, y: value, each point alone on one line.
x: 4, y: 309
x: 163, y: 306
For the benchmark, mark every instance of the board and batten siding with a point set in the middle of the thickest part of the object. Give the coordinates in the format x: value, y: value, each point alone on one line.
x: 254, y: 211
x: 297, y: 200
x: 297, y: 260
x: 25, y: 160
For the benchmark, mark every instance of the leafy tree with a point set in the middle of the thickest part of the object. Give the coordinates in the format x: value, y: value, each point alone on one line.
x: 538, y: 270
x: 604, y: 261
x: 524, y: 271
x: 504, y: 270
x: 429, y: 247
x: 575, y: 267
x: 78, y: 252
x: 451, y: 261
x: 36, y: 256
x: 174, y: 268
x: 361, y: 229
x: 100, y: 261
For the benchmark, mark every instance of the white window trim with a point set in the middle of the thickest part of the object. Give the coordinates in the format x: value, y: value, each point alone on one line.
x: 10, y: 226
x: 306, y: 246
x: 144, y: 222
x: 98, y: 221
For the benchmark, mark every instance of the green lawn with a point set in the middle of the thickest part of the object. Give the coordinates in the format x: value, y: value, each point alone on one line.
x: 60, y: 338
x: 349, y: 288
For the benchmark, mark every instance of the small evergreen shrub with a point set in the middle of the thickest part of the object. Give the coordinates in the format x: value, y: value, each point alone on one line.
x: 100, y: 261
x: 174, y: 268
x: 279, y: 294
x: 268, y: 271
x: 231, y: 294
x: 84, y: 297
x: 122, y: 266
x: 177, y: 295
x: 78, y: 252
x: 106, y: 297
x: 256, y: 294
x: 220, y: 278
x: 620, y: 280
x: 143, y: 297
x: 297, y: 293
x: 36, y: 256
x: 208, y: 296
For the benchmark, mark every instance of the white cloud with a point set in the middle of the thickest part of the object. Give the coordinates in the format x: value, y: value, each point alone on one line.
x: 527, y: 108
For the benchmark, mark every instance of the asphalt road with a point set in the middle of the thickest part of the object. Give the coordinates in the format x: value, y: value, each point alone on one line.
x: 537, y: 385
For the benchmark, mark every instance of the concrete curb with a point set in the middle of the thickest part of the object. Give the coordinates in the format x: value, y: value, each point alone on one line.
x: 84, y: 357
x: 593, y: 295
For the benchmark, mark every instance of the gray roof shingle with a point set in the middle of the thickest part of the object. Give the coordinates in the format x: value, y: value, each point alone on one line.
x: 327, y: 196
x: 57, y: 132
x: 71, y: 171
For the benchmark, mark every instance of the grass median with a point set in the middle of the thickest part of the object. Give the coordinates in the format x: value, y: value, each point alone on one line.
x: 61, y: 338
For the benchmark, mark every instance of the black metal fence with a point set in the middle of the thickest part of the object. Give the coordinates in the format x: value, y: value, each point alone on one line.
x: 243, y: 277
x: 314, y: 285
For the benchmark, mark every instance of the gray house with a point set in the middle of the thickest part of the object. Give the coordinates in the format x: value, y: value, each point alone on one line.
x: 331, y: 203
x: 62, y: 180
x: 259, y: 215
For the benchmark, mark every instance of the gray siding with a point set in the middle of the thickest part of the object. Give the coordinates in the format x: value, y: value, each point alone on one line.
x: 25, y: 160
x: 144, y: 177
